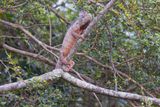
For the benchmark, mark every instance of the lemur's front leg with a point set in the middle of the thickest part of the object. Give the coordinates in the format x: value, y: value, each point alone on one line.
x: 77, y: 36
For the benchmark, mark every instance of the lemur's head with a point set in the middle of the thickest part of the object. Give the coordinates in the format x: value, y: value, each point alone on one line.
x: 85, y: 19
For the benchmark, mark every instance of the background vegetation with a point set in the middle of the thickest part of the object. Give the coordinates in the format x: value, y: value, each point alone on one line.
x: 127, y: 39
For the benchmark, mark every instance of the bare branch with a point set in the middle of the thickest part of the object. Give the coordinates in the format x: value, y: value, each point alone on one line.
x: 96, y: 89
x: 57, y: 73
x: 32, y: 55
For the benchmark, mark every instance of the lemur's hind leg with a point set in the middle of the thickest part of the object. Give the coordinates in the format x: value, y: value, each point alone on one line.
x: 68, y: 65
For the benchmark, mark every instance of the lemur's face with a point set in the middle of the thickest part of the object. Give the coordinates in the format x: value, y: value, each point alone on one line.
x: 85, y: 19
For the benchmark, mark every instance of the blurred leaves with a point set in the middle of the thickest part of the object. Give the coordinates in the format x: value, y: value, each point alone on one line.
x: 134, y: 25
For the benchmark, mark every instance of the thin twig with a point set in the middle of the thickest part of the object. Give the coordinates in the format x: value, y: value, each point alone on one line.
x: 110, y: 55
x: 3, y: 36
x: 124, y: 53
x: 50, y: 31
x: 59, y: 16
x: 96, y: 3
x: 6, y: 70
x: 129, y: 60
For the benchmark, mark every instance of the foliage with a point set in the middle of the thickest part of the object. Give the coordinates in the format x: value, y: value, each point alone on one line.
x: 134, y: 25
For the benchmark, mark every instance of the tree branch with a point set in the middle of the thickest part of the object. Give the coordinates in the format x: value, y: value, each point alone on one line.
x: 100, y: 90
x: 57, y: 73
x: 50, y: 76
x: 32, y: 55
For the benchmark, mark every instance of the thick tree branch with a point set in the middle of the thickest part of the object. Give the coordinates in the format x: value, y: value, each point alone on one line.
x: 100, y: 90
x: 57, y: 73
x: 50, y: 76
